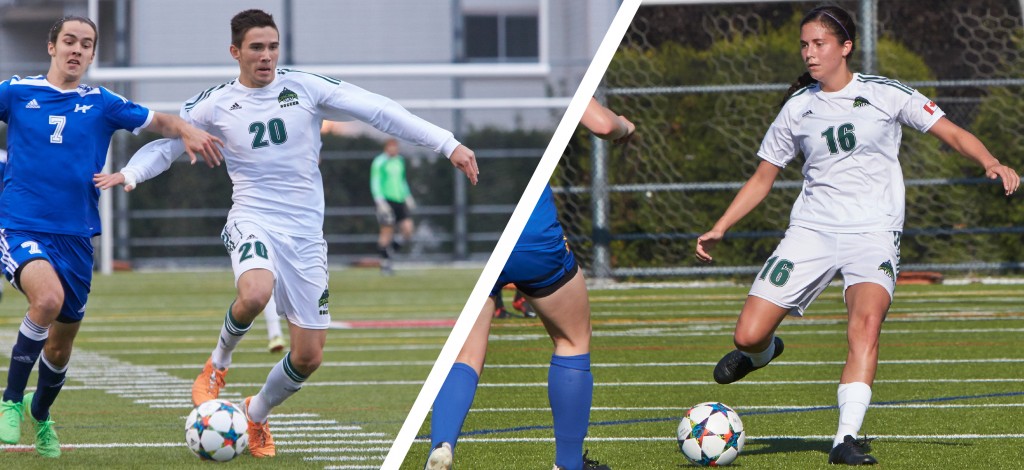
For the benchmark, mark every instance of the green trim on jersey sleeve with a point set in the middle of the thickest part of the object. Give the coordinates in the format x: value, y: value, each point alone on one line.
x: 204, y: 95
x: 886, y: 81
x: 328, y: 79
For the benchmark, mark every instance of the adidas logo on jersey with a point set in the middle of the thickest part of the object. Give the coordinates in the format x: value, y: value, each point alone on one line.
x: 807, y: 113
x: 32, y: 105
x: 234, y: 107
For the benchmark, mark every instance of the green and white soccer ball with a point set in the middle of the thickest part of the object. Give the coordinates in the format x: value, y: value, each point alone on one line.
x: 216, y: 430
x: 711, y: 435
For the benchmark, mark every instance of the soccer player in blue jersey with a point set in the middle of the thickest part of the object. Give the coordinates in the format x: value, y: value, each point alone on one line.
x: 57, y: 139
x: 543, y: 267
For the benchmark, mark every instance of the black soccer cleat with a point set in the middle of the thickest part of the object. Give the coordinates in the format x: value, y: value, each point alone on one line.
x: 587, y: 464
x: 593, y: 464
x: 852, y: 452
x: 734, y: 366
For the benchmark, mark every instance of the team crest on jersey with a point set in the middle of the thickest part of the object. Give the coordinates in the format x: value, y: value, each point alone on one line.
x: 886, y: 268
x: 860, y: 101
x: 323, y: 302
x: 287, y: 98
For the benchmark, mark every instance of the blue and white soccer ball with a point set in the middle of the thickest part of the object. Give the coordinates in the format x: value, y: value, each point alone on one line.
x: 216, y: 430
x: 711, y: 435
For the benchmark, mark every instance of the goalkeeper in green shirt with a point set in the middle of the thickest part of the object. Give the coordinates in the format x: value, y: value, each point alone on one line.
x: 394, y: 202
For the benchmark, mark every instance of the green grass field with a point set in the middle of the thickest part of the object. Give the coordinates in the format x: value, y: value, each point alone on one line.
x: 146, y: 336
x: 949, y: 391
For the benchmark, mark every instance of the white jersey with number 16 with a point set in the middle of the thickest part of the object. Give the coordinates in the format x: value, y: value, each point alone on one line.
x: 850, y: 140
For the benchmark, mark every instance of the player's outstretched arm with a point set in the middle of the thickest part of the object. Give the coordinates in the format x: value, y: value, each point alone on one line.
x: 971, y: 147
x: 605, y: 124
x: 750, y: 195
x: 195, y: 140
x: 465, y: 160
x: 151, y: 160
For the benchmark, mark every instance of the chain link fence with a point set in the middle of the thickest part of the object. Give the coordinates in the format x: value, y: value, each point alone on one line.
x: 704, y: 82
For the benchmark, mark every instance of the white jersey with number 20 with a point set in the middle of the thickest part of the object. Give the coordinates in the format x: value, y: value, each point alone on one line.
x: 850, y: 140
x: 272, y: 142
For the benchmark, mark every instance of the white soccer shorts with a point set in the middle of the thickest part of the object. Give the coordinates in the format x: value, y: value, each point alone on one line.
x: 299, y: 266
x: 806, y: 261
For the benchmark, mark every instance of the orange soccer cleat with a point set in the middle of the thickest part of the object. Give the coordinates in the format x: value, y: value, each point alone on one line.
x: 261, y: 443
x: 209, y: 383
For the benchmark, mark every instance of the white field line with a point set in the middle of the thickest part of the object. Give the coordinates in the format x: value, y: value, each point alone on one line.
x: 324, y: 435
x: 377, y: 383
x: 360, y: 383
x: 332, y: 458
x: 764, y: 382
x: 154, y: 445
x: 210, y: 330
x: 206, y: 351
x: 268, y: 365
x: 898, y: 437
x: 351, y: 467
x: 641, y: 310
x: 1008, y: 360
x: 131, y: 339
x: 99, y: 372
x: 599, y: 332
x: 758, y: 407
x: 336, y: 450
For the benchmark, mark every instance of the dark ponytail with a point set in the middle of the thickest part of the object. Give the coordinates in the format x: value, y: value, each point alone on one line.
x: 801, y: 82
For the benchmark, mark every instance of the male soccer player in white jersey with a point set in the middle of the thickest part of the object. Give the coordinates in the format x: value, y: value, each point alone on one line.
x: 270, y: 122
x: 847, y: 219
x: 57, y: 138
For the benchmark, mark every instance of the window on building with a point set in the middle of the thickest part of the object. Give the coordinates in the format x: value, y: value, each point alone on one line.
x: 501, y: 37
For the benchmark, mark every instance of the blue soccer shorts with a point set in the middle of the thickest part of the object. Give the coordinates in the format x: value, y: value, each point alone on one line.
x: 70, y: 256
x: 539, y: 273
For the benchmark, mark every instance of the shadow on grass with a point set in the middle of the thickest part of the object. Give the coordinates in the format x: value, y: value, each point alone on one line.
x: 782, y: 446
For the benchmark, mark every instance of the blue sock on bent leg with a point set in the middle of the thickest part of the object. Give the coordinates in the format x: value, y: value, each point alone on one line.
x: 51, y: 380
x: 452, y: 404
x: 31, y: 338
x: 571, y: 392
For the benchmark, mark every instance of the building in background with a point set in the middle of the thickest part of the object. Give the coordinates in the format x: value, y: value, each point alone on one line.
x: 404, y: 49
x: 502, y: 69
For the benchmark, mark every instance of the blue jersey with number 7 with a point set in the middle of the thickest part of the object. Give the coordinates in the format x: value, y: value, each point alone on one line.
x: 56, y: 140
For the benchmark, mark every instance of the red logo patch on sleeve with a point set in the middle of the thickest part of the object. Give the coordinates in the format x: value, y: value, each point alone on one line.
x: 930, y: 107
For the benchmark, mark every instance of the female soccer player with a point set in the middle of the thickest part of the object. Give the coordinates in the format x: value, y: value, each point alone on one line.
x: 848, y: 217
x: 543, y: 267
x: 270, y: 119
x: 58, y: 134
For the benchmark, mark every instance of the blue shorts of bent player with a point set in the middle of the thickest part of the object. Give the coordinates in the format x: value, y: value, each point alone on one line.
x: 70, y: 256
x: 538, y: 273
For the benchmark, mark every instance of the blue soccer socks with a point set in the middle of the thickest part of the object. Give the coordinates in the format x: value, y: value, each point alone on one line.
x: 570, y: 392
x: 452, y: 404
x: 31, y: 338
